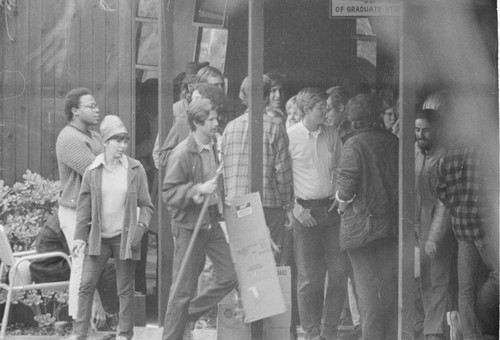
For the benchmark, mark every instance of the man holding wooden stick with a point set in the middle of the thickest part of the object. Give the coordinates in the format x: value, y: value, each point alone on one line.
x: 193, y: 198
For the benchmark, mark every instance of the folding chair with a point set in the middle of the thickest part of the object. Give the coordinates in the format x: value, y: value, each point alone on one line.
x: 10, y: 263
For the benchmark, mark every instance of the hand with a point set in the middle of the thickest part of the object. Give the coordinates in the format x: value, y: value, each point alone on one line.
x: 78, y: 247
x: 342, y: 207
x: 139, y: 233
x: 208, y: 187
x: 304, y: 216
x: 98, y: 319
x: 430, y: 248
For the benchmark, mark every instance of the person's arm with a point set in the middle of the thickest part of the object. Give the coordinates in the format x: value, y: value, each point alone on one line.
x: 283, y: 167
x: 439, y: 226
x: 178, y: 191
x: 144, y: 199
x: 180, y: 130
x: 347, y: 177
x: 83, y: 215
x: 156, y: 152
x: 98, y: 318
x: 76, y: 154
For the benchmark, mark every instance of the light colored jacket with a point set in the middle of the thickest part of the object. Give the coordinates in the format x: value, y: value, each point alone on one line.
x: 89, y: 207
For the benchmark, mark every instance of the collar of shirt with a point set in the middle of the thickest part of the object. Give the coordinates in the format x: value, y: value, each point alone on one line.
x: 313, y: 134
x: 201, y: 146
x: 99, y: 160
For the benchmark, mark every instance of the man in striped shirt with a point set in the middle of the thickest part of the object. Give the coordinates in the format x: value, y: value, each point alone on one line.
x: 76, y: 148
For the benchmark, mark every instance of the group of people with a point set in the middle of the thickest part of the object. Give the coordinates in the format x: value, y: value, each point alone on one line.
x: 330, y: 200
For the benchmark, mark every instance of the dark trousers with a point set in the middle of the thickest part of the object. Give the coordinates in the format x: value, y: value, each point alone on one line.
x: 375, y: 268
x: 93, y: 266
x: 472, y: 296
x: 438, y: 284
x: 318, y: 257
x: 183, y: 306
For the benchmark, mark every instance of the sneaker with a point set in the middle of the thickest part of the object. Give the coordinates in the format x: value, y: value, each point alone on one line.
x: 453, y: 319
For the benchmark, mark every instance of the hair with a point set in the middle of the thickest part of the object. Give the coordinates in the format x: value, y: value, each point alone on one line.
x: 276, y: 78
x: 177, y: 85
x: 355, y: 84
x: 436, y: 101
x: 120, y: 136
x: 216, y: 95
x: 308, y: 97
x: 208, y: 71
x: 245, y: 89
x: 198, y: 111
x: 364, y: 110
x: 291, y: 104
x: 73, y: 100
x: 339, y: 97
x: 432, y: 116
x: 387, y: 103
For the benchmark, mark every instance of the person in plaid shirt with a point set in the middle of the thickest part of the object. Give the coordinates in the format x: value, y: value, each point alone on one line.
x: 463, y: 190
x: 277, y: 191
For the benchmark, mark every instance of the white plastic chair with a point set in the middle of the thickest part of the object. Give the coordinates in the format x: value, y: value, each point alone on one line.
x: 10, y: 263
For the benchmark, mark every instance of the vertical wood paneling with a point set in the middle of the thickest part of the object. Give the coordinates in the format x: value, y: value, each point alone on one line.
x: 73, y: 52
x: 99, y: 58
x: 111, y: 34
x: 86, y: 43
x: 58, y: 117
x: 2, y: 93
x: 21, y: 108
x: 34, y: 88
x: 126, y: 57
x: 48, y: 85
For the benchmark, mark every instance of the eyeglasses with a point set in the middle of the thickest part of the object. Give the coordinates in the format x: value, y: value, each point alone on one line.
x: 93, y: 107
x: 221, y: 84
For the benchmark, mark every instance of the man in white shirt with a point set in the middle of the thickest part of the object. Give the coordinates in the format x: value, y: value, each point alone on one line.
x: 315, y: 151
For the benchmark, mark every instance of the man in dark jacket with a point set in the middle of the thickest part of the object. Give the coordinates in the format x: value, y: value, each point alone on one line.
x: 189, y: 178
x: 367, y: 192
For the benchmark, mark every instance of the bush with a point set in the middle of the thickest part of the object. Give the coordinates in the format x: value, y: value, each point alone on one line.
x: 24, y: 208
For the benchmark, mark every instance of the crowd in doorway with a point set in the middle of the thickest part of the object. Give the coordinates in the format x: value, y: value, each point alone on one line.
x: 330, y: 199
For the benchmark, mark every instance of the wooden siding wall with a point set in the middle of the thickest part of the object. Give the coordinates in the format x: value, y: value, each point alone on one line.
x: 60, y: 45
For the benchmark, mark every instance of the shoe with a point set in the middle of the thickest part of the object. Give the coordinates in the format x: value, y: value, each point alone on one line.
x: 453, y: 319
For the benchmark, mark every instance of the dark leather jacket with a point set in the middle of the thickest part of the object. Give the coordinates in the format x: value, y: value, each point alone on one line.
x: 368, y: 171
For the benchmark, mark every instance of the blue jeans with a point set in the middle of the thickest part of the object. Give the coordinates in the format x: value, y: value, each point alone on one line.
x: 318, y: 257
x: 375, y: 268
x: 93, y: 266
x: 471, y: 256
x: 183, y: 306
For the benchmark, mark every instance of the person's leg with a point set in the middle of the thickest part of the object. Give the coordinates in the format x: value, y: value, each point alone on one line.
x: 275, y: 221
x: 311, y: 272
x: 387, y: 269
x: 468, y: 264
x: 140, y: 267
x: 180, y: 296
x: 217, y: 249
x: 487, y: 295
x: 336, y: 289
x: 374, y: 300
x: 438, y: 293
x: 125, y: 272
x: 92, y: 268
x: 106, y: 286
x: 67, y: 220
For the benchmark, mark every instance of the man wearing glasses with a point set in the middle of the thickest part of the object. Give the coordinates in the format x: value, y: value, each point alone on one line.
x: 76, y: 148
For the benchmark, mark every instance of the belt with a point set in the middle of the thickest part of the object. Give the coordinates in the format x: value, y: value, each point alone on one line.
x: 318, y: 202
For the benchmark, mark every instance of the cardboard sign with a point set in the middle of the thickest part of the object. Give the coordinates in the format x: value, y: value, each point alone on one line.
x: 250, y: 245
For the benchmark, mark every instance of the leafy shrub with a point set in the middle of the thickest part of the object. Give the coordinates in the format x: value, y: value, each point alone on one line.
x: 25, y: 207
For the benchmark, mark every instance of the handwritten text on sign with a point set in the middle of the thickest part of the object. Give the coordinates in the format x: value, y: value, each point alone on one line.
x: 343, y: 8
